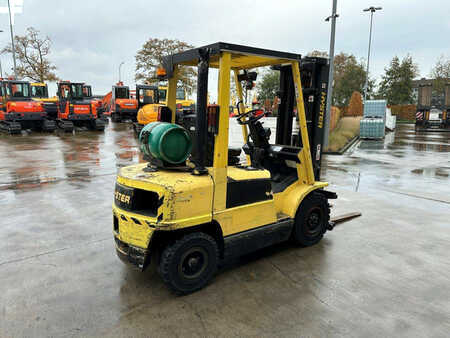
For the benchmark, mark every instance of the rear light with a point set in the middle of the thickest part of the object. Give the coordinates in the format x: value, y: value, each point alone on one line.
x: 213, y: 119
x: 179, y: 106
x: 161, y: 72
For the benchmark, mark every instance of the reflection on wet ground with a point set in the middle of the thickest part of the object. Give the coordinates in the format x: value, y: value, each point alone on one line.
x: 30, y: 161
x: 405, y: 160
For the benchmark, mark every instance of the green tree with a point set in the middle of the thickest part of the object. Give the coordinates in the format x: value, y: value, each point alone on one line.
x: 397, y: 82
x: 32, y: 56
x: 269, y: 85
x: 150, y: 56
x: 349, y: 76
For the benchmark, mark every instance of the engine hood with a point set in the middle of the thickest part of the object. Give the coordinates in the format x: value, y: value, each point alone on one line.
x: 167, y: 180
x: 127, y: 103
x: 25, y: 106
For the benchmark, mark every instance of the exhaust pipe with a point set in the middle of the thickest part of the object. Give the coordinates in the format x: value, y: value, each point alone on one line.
x: 201, y: 122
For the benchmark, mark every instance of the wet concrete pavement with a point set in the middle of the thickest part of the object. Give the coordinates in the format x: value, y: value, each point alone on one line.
x: 386, y: 273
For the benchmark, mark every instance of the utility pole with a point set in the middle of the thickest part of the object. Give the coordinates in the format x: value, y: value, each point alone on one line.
x: 120, y: 66
x: 12, y: 40
x: 333, y: 17
x: 371, y: 10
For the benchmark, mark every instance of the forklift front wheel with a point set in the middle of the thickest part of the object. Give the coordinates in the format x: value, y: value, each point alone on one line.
x: 311, y: 220
x: 190, y: 263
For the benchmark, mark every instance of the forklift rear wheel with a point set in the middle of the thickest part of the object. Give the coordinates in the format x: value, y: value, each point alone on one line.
x: 311, y: 220
x: 190, y: 263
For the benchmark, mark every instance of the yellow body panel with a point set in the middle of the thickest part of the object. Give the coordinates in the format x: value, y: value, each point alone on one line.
x: 237, y: 173
x: 129, y: 232
x: 187, y: 198
x: 245, y: 217
x: 287, y: 202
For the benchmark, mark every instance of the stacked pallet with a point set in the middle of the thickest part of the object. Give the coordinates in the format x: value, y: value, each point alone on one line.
x: 374, y: 119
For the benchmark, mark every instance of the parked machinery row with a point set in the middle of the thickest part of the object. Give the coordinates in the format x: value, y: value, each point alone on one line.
x: 28, y: 106
x: 141, y: 105
x: 432, y: 115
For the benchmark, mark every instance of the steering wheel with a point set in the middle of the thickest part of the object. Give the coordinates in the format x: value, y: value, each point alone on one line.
x: 250, y: 113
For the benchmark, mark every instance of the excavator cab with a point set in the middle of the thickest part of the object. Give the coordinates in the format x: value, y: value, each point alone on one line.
x: 190, y: 208
x: 148, y: 101
x: 74, y: 109
x: 121, y: 106
x: 39, y: 90
x: 87, y: 91
x: 18, y: 109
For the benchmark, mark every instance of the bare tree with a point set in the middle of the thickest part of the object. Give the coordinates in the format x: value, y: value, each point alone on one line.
x: 441, y: 73
x: 318, y: 53
x: 32, y: 53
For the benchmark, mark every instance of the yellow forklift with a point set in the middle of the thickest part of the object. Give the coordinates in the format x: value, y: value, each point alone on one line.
x: 188, y: 215
x: 184, y: 105
x: 147, y: 98
x: 39, y: 92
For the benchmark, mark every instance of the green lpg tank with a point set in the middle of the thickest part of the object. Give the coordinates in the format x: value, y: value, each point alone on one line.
x: 165, y: 141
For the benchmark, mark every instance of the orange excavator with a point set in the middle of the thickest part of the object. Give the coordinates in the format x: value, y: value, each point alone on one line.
x: 19, y: 111
x: 74, y: 109
x: 119, y: 105
x: 96, y: 100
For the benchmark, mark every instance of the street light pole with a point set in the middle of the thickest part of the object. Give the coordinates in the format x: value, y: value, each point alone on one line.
x: 333, y: 17
x: 1, y: 69
x: 120, y: 66
x: 12, y: 40
x: 371, y: 10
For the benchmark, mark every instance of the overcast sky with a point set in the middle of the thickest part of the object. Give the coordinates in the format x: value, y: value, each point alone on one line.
x: 91, y: 38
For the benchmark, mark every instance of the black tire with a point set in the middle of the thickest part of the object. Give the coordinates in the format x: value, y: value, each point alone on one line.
x: 190, y: 263
x: 311, y: 220
x: 115, y: 117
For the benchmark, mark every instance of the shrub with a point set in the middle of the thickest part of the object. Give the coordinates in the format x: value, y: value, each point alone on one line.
x: 355, y: 107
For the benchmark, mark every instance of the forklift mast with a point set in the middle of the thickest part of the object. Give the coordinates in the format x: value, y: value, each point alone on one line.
x: 314, y: 76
